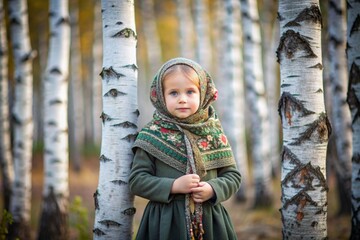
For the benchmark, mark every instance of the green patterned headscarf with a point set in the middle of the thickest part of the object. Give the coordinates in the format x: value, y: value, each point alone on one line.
x: 166, y: 136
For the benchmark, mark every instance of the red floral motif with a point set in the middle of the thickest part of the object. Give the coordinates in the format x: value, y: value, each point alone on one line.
x: 216, y: 95
x: 223, y: 139
x: 153, y: 93
x: 165, y: 130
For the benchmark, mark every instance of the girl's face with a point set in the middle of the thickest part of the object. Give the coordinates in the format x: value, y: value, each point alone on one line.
x: 182, y: 96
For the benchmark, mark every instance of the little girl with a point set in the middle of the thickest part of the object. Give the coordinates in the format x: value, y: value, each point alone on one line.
x: 183, y: 162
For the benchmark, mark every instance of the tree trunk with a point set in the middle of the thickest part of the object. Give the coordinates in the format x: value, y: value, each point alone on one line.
x: 256, y: 101
x: 353, y: 99
x: 20, y: 205
x: 6, y: 161
x: 95, y: 79
x: 53, y: 221
x: 186, y: 28
x: 114, y: 204
x: 203, y: 42
x: 306, y: 128
x: 231, y: 90
x: 271, y: 79
x: 76, y: 93
x: 341, y: 119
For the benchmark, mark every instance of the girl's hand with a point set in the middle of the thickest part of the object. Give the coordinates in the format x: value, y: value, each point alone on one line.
x: 185, y: 184
x: 202, y: 192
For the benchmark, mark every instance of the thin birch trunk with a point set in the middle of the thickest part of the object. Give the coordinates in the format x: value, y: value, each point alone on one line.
x: 96, y: 80
x: 353, y: 53
x: 341, y: 119
x: 256, y: 101
x: 271, y: 80
x: 231, y: 89
x: 20, y: 205
x: 114, y: 204
x: 186, y: 28
x: 6, y: 161
x: 306, y: 128
x: 202, y: 33
x: 76, y: 93
x: 54, y: 213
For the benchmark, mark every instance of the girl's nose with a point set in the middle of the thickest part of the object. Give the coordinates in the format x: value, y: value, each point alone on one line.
x: 182, y: 98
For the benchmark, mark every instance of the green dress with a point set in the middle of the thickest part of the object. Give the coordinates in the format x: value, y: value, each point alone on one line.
x: 164, y: 215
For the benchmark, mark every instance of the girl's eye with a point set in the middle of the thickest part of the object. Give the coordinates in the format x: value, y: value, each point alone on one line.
x: 173, y: 93
x: 190, y: 92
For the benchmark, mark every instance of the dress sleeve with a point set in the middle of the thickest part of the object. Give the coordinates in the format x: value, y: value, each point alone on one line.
x: 144, y: 182
x: 226, y: 184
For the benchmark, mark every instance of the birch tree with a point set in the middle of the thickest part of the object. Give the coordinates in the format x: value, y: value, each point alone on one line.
x: 202, y: 33
x: 305, y: 125
x: 341, y: 119
x: 20, y: 205
x: 256, y: 101
x: 186, y: 28
x: 231, y: 89
x: 6, y: 161
x: 95, y: 79
x: 54, y: 212
x: 353, y: 54
x: 76, y: 94
x: 114, y: 204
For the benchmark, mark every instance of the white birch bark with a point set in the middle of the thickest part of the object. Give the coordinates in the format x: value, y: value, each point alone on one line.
x: 353, y: 53
x: 114, y: 204
x: 96, y: 99
x: 256, y: 102
x: 341, y: 119
x: 76, y: 94
x: 231, y: 89
x: 202, y: 33
x: 20, y: 205
x: 305, y: 125
x: 6, y: 161
x: 53, y: 220
x: 186, y: 29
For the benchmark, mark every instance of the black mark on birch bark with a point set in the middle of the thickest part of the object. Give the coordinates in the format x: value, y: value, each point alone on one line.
x: 131, y: 66
x: 292, y: 42
x: 129, y: 211
x: 119, y: 182
x: 114, y: 93
x: 108, y: 73
x: 109, y: 223
x: 319, y: 131
x: 104, y: 159
x: 352, y: 98
x: 130, y: 137
x: 96, y: 201
x: 355, y: 27
x: 98, y: 232
x: 126, y: 124
x: 105, y: 117
x: 125, y: 33
x: 289, y: 106
x: 312, y: 14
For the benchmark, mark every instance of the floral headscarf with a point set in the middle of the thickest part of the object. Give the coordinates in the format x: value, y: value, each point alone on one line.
x: 191, y: 145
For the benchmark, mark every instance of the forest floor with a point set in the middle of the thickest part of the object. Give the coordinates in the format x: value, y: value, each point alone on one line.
x: 250, y: 224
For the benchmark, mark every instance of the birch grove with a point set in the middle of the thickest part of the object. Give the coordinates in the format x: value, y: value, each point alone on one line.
x: 114, y: 204
x: 305, y: 125
x: 54, y: 213
x: 353, y: 99
x: 186, y: 28
x: 20, y: 204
